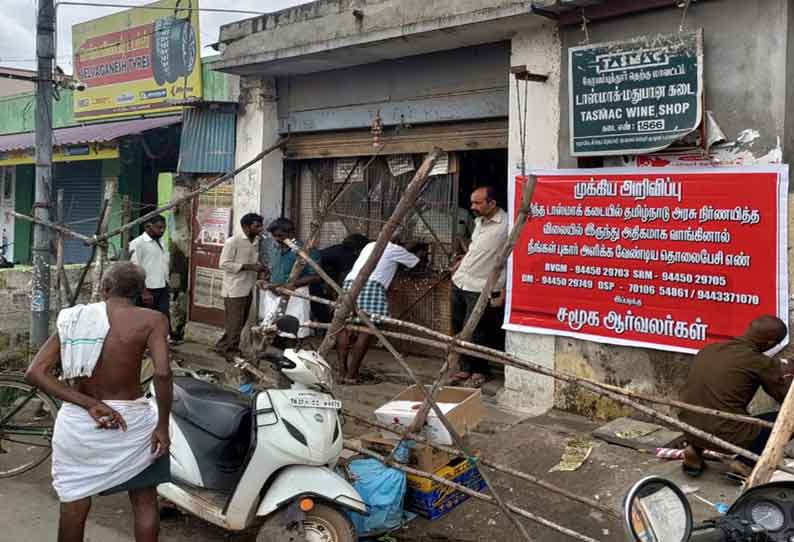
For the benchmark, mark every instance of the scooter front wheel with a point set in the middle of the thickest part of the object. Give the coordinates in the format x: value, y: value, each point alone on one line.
x: 322, y: 524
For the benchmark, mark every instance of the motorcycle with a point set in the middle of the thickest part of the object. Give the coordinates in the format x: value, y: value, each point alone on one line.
x: 656, y: 510
x: 239, y: 461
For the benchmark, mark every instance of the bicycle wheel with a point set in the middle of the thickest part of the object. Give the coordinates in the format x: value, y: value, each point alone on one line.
x: 27, y: 419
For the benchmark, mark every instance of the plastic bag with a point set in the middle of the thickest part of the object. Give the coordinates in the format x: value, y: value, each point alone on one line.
x: 383, y: 490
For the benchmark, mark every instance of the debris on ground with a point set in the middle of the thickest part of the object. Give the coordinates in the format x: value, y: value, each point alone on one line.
x: 576, y: 453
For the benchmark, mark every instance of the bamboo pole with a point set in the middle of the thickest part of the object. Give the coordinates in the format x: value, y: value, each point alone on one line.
x: 59, y: 248
x: 126, y: 216
x: 87, y: 266
x: 348, y: 299
x: 775, y: 446
x: 364, y: 317
x: 111, y: 185
x: 492, y: 465
x: 507, y: 359
x: 57, y: 227
x: 100, y: 239
x: 512, y: 510
x: 485, y: 296
x: 190, y: 195
x: 628, y: 393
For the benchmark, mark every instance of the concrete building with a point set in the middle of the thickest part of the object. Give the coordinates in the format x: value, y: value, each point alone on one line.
x: 439, y: 73
x: 15, y: 81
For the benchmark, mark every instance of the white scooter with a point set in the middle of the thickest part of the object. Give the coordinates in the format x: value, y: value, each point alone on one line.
x: 239, y: 462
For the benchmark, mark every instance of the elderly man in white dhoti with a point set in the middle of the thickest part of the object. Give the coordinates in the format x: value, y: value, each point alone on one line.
x: 108, y: 438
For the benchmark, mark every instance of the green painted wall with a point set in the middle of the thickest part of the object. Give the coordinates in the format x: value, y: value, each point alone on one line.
x: 165, y: 187
x: 218, y: 86
x: 18, y: 113
x: 23, y: 203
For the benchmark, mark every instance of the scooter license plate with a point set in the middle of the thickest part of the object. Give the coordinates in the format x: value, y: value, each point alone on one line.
x: 305, y: 402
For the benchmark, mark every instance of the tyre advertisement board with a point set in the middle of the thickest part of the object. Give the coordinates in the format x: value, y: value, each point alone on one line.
x: 670, y: 259
x: 142, y: 60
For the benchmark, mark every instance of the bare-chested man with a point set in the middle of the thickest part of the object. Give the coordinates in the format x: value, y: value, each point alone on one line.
x: 108, y: 438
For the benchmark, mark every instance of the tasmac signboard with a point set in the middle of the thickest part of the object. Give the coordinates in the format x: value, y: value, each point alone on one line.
x: 634, y: 97
x: 138, y: 61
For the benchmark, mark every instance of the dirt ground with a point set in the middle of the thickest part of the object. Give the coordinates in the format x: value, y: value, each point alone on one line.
x: 29, y: 509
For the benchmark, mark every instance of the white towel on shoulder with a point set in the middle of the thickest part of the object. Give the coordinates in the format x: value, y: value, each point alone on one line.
x: 82, y: 330
x: 87, y: 460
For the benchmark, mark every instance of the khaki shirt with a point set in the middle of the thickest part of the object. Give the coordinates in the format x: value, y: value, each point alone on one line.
x: 486, y: 242
x: 726, y: 376
x: 238, y: 251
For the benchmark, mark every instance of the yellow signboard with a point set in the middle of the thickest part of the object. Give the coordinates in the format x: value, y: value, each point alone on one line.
x: 138, y: 61
x: 66, y: 153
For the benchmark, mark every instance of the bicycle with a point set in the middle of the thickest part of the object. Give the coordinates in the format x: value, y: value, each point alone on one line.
x: 27, y: 420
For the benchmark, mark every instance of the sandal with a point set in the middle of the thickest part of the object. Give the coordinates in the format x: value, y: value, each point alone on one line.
x: 476, y: 381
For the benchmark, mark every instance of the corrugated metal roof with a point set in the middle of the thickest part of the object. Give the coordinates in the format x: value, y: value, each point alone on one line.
x: 208, y: 139
x: 89, y: 133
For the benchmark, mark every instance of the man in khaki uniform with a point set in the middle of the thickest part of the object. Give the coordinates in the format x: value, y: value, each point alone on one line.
x: 726, y: 376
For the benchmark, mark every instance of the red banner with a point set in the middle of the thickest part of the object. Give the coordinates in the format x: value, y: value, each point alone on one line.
x: 671, y: 259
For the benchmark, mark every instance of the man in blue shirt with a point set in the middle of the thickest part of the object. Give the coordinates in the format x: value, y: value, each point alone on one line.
x: 281, y: 261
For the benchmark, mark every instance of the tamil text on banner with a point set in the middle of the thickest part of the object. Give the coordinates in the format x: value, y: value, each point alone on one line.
x: 671, y: 259
x: 634, y: 96
x: 138, y: 61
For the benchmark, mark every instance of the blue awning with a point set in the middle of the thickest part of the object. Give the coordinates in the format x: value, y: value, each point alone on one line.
x: 208, y: 140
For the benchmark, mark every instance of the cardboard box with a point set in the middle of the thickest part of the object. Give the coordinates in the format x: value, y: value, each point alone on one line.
x: 423, y: 457
x: 462, y: 406
x: 431, y: 500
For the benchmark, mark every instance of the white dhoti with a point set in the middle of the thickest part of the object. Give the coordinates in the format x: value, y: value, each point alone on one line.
x: 297, y: 307
x: 87, y: 460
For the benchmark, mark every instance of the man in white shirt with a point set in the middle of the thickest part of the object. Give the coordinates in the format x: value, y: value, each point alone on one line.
x: 372, y: 300
x: 241, y: 265
x: 148, y: 252
x: 468, y: 280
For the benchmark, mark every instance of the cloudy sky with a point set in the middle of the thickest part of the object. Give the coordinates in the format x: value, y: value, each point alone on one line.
x: 18, y: 25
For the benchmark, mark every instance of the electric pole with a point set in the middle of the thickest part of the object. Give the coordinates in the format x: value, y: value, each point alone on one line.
x: 40, y: 290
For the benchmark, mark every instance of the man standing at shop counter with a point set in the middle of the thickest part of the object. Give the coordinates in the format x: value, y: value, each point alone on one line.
x: 470, y: 274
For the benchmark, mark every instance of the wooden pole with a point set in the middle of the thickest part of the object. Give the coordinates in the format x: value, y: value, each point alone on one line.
x: 485, y: 296
x: 59, y: 271
x: 63, y: 229
x: 98, y: 239
x: 628, y: 393
x: 190, y: 195
x: 507, y: 359
x: 775, y: 446
x: 365, y: 318
x: 348, y: 299
x: 495, y: 466
x: 99, y: 268
x: 512, y: 510
x: 126, y: 216
x: 87, y: 266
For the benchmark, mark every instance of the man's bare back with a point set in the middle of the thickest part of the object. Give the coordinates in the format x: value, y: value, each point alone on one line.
x: 132, y: 331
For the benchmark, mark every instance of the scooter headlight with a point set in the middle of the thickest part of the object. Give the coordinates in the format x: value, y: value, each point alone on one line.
x: 323, y: 375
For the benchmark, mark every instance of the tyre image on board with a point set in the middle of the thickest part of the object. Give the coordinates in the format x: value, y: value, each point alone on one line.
x: 323, y: 524
x: 173, y: 49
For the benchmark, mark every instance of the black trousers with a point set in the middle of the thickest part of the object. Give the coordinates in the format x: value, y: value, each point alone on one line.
x: 488, y: 332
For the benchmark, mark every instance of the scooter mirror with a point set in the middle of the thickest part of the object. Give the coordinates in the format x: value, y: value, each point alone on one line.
x: 288, y: 324
x: 656, y: 510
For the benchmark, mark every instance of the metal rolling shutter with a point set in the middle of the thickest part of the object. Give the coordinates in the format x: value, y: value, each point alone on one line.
x: 82, y: 198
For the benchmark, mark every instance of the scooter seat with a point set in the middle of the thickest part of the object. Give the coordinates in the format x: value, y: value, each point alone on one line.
x: 215, y: 410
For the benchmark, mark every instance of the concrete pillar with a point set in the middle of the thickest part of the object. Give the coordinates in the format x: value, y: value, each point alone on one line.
x: 538, y: 49
x: 259, y: 188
